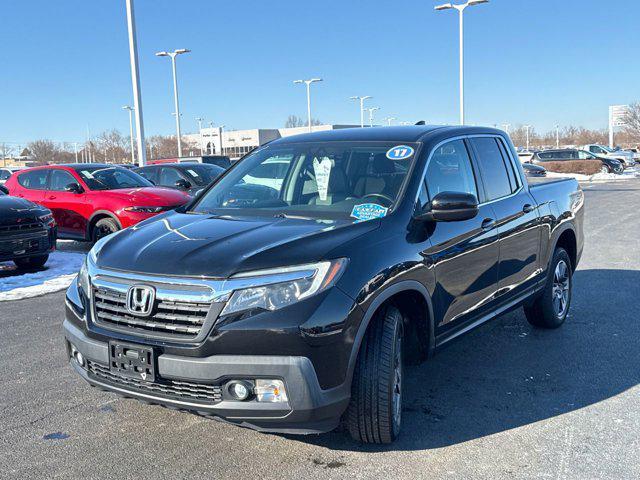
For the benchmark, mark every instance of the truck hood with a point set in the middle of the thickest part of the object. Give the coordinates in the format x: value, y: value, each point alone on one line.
x: 13, y: 208
x: 149, y: 196
x: 178, y: 244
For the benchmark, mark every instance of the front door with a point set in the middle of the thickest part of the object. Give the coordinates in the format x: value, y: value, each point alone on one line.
x: 464, y: 254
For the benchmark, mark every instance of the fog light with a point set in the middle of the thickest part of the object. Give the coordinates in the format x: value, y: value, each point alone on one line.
x: 79, y: 358
x: 239, y: 390
x: 270, y: 391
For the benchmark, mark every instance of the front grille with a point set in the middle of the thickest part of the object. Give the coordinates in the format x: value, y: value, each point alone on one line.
x: 21, y: 228
x: 169, y: 317
x: 22, y: 247
x: 209, y: 394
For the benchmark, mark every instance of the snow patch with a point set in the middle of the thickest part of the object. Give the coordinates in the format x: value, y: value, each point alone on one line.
x: 57, y: 275
x: 628, y: 174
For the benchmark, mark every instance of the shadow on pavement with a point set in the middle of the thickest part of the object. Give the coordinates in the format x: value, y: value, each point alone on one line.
x: 507, y: 374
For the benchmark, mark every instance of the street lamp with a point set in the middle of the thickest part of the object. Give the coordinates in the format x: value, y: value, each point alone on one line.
x: 199, y: 120
x: 557, y: 136
x: 173, y: 56
x: 362, y: 99
x: 135, y: 80
x: 130, y: 109
x: 308, y: 83
x: 527, y: 128
x: 389, y: 120
x: 461, y: 8
x: 506, y: 127
x: 371, y: 110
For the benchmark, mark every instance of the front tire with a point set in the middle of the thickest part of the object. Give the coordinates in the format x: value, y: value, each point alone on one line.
x: 550, y: 309
x: 375, y: 411
x: 104, y: 227
x: 31, y: 263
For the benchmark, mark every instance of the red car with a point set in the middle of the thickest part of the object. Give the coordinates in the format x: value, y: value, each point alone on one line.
x: 90, y: 201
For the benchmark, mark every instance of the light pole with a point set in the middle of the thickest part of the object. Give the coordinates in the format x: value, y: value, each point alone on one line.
x: 308, y: 84
x: 527, y: 128
x: 173, y: 56
x: 221, y: 127
x: 371, y: 111
x: 389, y: 120
x: 135, y: 80
x: 362, y: 99
x: 506, y: 127
x: 130, y: 109
x: 557, y: 136
x: 461, y: 8
x: 199, y: 120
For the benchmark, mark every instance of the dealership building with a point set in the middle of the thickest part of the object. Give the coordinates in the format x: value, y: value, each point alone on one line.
x: 236, y: 143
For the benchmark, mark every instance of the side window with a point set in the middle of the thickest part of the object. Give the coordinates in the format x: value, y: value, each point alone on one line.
x: 582, y: 155
x: 513, y: 176
x: 34, y: 180
x: 150, y: 174
x: 4, y: 174
x: 493, y: 168
x: 60, y: 179
x: 169, y: 177
x: 450, y: 170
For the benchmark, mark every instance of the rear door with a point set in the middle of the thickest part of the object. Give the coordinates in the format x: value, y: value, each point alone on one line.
x: 31, y: 184
x: 517, y: 217
x: 67, y: 207
x: 464, y: 254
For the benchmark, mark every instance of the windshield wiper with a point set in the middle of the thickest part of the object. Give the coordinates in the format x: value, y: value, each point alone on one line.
x: 295, y: 217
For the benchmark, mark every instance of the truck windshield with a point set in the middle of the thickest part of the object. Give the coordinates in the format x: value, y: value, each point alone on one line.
x: 317, y: 180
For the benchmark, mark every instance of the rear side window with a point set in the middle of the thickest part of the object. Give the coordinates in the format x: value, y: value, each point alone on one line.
x: 493, y: 168
x: 450, y: 170
x: 34, y: 180
x: 4, y: 174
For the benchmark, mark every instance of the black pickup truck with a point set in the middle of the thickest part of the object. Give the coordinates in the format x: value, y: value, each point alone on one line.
x: 290, y: 312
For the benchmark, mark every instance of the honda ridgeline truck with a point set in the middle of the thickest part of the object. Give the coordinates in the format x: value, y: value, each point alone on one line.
x: 292, y: 311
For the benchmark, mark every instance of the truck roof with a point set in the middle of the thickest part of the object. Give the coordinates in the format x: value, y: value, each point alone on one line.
x: 414, y: 133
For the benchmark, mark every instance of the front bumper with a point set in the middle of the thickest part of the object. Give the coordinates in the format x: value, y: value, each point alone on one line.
x: 309, y: 409
x: 24, y: 246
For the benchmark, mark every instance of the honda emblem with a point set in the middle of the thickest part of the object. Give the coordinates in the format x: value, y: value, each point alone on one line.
x: 140, y: 300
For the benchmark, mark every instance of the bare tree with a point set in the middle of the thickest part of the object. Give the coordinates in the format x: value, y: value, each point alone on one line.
x: 293, y: 121
x: 632, y: 120
x: 43, y: 151
x: 113, y: 147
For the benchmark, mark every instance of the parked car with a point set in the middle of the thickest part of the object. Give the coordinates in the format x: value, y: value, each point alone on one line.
x: 220, y: 160
x: 288, y: 314
x: 90, y: 201
x: 27, y: 232
x: 624, y: 157
x: 191, y: 178
x: 609, y: 165
x: 532, y: 170
x: 636, y: 154
x: 6, y: 172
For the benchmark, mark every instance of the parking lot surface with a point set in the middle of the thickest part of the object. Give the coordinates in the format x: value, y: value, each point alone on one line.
x: 506, y: 401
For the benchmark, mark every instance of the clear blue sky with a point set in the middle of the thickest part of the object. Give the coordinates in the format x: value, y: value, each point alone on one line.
x: 65, y: 64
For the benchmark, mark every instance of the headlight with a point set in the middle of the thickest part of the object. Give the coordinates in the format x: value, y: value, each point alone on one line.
x: 145, y: 209
x: 277, y: 288
x: 83, y: 278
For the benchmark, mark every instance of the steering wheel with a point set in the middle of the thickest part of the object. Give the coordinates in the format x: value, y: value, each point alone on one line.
x: 379, y: 195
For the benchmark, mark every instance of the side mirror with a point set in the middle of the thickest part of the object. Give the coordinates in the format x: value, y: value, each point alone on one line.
x: 182, y: 184
x: 73, y: 188
x: 450, y: 207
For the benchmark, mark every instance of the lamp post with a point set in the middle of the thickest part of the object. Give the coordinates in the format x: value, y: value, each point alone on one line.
x: 557, y: 136
x: 131, y: 109
x: 527, y: 128
x: 371, y: 111
x: 461, y: 8
x: 361, y: 99
x: 389, y: 120
x: 173, y: 56
x: 200, y: 120
x: 135, y: 80
x: 308, y: 84
x: 506, y: 127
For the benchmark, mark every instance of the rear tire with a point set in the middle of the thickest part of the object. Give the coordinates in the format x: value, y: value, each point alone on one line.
x: 104, y: 227
x: 550, y: 309
x: 31, y: 263
x: 375, y: 412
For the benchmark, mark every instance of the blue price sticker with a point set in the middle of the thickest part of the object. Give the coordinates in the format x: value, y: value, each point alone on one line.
x: 368, y: 211
x: 401, y: 152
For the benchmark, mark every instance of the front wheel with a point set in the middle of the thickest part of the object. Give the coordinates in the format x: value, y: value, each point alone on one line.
x: 375, y: 412
x: 605, y: 169
x: 104, y: 227
x: 31, y: 263
x: 550, y: 309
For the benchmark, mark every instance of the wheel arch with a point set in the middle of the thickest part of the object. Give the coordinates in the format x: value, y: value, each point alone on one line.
x: 568, y: 241
x: 404, y: 290
x: 97, y: 216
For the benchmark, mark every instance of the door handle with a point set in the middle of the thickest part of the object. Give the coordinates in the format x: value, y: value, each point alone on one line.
x: 52, y: 197
x: 488, y: 224
x: 528, y: 208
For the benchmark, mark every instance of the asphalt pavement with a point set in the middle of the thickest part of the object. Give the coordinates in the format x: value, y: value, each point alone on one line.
x: 506, y: 401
